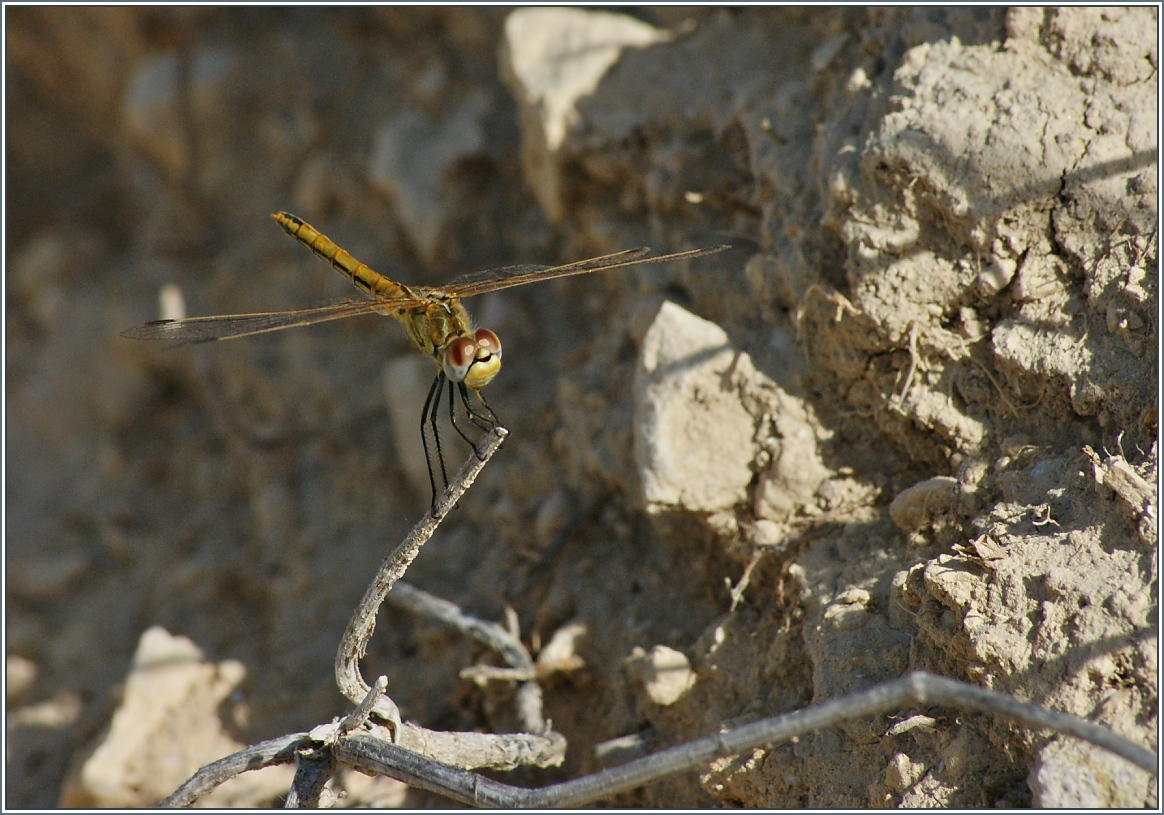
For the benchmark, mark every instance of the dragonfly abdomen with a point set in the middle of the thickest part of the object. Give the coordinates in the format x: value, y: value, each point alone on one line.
x: 359, y: 273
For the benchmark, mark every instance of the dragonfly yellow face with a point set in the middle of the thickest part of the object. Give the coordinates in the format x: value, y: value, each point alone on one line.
x: 467, y: 357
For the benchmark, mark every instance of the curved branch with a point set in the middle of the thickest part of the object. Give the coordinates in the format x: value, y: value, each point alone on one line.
x: 375, y: 756
x: 281, y: 750
x: 354, y: 644
x: 314, y: 767
x: 506, y: 643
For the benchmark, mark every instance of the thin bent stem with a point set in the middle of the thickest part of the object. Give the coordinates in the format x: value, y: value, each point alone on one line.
x: 376, y: 756
x: 354, y: 644
x: 281, y: 750
x: 496, y: 637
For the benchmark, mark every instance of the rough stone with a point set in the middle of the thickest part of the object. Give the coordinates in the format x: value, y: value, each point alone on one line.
x: 665, y: 673
x: 411, y: 156
x: 19, y: 677
x: 795, y: 471
x: 554, y: 57
x: 916, y: 505
x: 1075, y: 775
x: 166, y: 727
x: 693, y: 437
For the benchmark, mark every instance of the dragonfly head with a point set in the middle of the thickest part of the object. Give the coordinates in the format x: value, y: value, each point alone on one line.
x: 473, y: 360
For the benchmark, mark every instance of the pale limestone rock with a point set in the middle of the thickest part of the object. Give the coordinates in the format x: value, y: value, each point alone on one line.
x: 19, y: 677
x: 693, y: 436
x: 552, y: 57
x: 411, y: 154
x: 561, y: 652
x: 915, y: 506
x: 901, y: 773
x: 666, y: 673
x: 1071, y: 774
x: 165, y: 729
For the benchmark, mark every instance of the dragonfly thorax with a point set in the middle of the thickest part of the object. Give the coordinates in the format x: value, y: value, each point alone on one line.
x: 473, y: 360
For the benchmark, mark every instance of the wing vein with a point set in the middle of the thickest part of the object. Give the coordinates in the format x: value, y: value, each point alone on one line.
x: 232, y: 326
x: 510, y: 276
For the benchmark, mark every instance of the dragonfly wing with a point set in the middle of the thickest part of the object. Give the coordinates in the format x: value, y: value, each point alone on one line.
x: 503, y: 273
x: 226, y: 327
x: 509, y: 276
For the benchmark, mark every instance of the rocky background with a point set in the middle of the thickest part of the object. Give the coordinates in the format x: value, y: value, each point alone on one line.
x: 908, y: 421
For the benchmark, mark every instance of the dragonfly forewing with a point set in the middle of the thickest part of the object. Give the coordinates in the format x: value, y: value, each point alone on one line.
x: 231, y: 326
x: 510, y: 276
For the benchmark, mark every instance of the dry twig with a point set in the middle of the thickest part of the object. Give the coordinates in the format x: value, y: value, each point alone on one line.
x: 281, y: 750
x: 506, y: 643
x: 380, y: 757
x: 1138, y: 493
x: 314, y: 767
x: 918, y: 688
x: 354, y: 644
x: 540, y: 747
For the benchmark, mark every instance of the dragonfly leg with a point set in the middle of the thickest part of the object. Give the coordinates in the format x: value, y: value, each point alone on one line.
x: 429, y: 415
x: 486, y: 421
x: 472, y: 417
x: 453, y: 417
x: 436, y: 409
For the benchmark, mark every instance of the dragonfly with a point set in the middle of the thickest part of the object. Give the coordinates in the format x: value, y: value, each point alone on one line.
x: 467, y: 357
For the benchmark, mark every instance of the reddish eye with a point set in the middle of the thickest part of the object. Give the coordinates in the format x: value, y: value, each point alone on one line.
x: 459, y: 355
x: 487, y: 341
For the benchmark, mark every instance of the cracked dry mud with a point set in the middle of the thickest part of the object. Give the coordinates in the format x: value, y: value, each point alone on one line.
x: 922, y: 384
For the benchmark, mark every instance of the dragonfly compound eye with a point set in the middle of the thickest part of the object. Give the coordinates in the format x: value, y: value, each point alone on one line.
x: 459, y: 355
x: 488, y: 343
x: 473, y: 361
